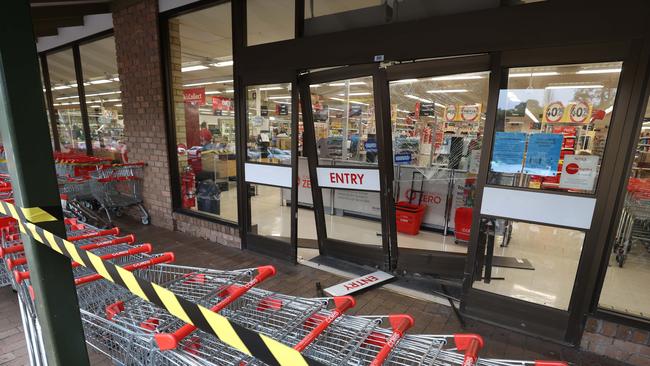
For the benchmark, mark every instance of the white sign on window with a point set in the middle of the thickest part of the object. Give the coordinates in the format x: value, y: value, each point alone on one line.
x: 579, y: 172
x: 349, y: 178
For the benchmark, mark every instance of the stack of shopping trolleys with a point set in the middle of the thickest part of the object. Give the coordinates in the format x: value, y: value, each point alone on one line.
x: 95, y: 190
x: 132, y: 331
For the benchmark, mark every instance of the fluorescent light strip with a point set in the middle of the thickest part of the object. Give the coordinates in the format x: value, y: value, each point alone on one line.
x: 418, y: 98
x: 212, y: 92
x: 61, y: 87
x: 403, y: 111
x: 530, y: 74
x: 350, y: 83
x: 278, y: 102
x: 193, y: 68
x: 271, y: 88
x: 405, y: 81
x: 102, y: 81
x: 574, y: 87
x: 444, y: 91
x: 356, y: 94
x: 457, y: 77
x: 281, y: 97
x: 599, y: 71
x: 223, y: 63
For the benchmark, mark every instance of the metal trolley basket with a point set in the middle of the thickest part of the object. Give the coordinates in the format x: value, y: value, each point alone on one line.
x: 119, y: 186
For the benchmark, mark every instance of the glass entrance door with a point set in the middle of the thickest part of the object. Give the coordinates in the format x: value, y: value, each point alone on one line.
x: 342, y: 141
x: 538, y: 207
x: 437, y: 123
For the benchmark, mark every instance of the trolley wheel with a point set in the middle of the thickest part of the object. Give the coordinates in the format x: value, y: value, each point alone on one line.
x: 118, y: 212
x: 145, y: 220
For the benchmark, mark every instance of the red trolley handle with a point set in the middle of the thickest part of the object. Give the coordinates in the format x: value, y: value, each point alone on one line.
x: 10, y: 250
x: 142, y: 164
x: 167, y: 341
x: 146, y: 248
x: 113, y: 231
x: 342, y: 303
x: 13, y: 263
x: 472, y: 345
x: 129, y: 239
x: 167, y: 257
x: 117, y: 179
x: 400, y: 324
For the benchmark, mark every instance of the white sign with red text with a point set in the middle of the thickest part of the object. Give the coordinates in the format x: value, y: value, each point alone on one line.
x: 579, y: 172
x: 349, y: 178
x: 359, y: 283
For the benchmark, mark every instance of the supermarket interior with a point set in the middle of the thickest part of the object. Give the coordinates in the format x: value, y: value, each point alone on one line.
x: 504, y: 173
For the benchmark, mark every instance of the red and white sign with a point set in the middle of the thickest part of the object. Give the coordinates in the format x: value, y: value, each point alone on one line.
x: 359, y: 283
x: 579, y: 112
x: 470, y: 112
x: 450, y: 112
x: 220, y: 104
x: 349, y: 178
x: 554, y: 112
x: 194, y: 95
x: 579, y: 172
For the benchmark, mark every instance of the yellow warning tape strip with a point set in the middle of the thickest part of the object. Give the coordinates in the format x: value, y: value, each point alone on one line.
x: 246, y: 341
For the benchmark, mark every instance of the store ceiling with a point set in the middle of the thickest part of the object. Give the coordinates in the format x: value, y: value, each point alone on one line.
x: 49, y: 15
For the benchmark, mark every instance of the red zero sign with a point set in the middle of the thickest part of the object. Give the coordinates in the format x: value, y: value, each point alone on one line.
x: 579, y: 112
x: 554, y: 112
x: 572, y: 168
x: 450, y: 114
x: 469, y: 112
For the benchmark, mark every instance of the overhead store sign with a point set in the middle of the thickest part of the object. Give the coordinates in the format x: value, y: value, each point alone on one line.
x: 349, y: 178
x: 575, y: 112
x: 221, y: 104
x: 463, y: 112
x: 194, y: 95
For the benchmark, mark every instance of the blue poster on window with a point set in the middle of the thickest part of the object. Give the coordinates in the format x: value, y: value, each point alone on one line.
x: 543, y: 154
x: 508, y: 152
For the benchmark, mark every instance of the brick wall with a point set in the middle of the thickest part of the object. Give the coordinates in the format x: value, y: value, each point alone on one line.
x: 137, y: 42
x: 617, y: 341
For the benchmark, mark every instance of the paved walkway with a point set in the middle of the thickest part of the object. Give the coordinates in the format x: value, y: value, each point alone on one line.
x: 430, y: 318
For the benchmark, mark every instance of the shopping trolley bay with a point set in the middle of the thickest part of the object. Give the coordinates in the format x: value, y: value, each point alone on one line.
x: 139, y: 308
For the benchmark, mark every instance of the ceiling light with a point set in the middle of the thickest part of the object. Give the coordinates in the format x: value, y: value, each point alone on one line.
x: 405, y: 81
x: 281, y: 97
x: 277, y: 102
x: 457, y: 77
x: 530, y: 74
x: 116, y: 79
x: 118, y: 105
x: 418, y: 98
x: 574, y: 87
x: 230, y: 90
x: 193, y: 68
x: 314, y: 85
x: 443, y: 91
x: 599, y: 71
x: 212, y: 92
x: 95, y: 106
x: 271, y: 88
x: 348, y: 83
x: 101, y: 81
x: 61, y: 87
x: 209, y: 83
x: 356, y: 94
x: 70, y: 97
x: 356, y: 102
x: 113, y: 100
x: 223, y: 63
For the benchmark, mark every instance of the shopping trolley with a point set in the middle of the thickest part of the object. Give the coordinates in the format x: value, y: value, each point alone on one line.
x: 634, y: 225
x: 77, y: 165
x: 119, y: 186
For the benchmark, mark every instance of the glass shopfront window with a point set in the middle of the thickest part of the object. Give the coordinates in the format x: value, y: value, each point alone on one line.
x: 269, y: 124
x: 626, y: 282
x: 65, y: 96
x: 344, y: 122
x: 552, y: 125
x: 102, y: 88
x: 269, y: 21
x: 200, y: 47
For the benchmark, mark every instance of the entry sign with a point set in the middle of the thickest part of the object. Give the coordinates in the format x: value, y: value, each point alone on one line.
x: 358, y: 284
x: 579, y: 172
x: 348, y: 178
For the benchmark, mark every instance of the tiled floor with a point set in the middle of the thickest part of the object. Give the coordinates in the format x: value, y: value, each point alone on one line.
x: 431, y: 318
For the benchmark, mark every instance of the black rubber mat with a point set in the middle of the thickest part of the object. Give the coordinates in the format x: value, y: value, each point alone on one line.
x: 512, y: 262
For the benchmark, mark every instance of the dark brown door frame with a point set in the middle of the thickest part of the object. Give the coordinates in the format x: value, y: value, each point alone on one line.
x: 546, y: 321
x: 334, y: 247
x: 47, y: 84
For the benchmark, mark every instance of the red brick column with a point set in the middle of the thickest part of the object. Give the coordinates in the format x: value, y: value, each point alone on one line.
x: 137, y: 42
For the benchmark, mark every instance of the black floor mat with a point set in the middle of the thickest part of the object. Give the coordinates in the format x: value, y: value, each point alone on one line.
x: 512, y: 262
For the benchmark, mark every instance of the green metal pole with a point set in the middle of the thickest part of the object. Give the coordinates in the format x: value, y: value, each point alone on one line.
x: 23, y: 124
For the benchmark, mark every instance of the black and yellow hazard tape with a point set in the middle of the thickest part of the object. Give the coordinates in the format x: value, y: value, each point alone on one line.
x: 246, y: 341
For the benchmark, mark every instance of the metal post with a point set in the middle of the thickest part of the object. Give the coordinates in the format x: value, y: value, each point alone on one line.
x: 23, y: 125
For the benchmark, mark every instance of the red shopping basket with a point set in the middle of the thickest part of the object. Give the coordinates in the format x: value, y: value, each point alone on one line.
x: 463, y: 223
x: 409, y: 217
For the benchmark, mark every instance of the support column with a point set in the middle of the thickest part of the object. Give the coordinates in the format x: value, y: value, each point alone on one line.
x: 23, y: 124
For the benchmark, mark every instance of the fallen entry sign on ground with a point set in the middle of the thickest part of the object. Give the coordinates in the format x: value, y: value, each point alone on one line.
x: 359, y: 283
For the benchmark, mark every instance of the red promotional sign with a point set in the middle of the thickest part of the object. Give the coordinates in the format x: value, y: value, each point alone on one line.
x: 194, y: 95
x: 220, y: 104
x: 572, y: 168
